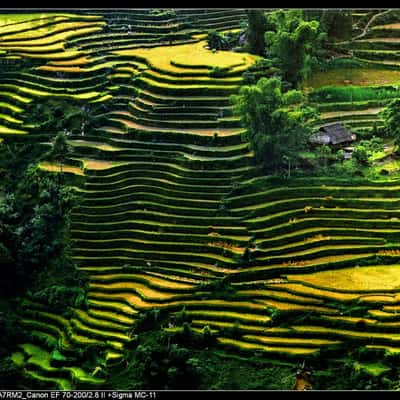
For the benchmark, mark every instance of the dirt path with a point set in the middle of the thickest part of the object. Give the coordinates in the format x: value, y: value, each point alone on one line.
x: 372, y: 19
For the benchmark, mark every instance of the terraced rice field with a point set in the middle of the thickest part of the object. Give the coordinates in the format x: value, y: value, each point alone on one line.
x: 171, y: 203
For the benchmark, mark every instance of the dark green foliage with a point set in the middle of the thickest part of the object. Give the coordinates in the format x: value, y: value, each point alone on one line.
x: 15, y: 157
x: 55, y: 115
x: 10, y: 327
x: 34, y: 221
x: 292, y: 97
x: 34, y: 224
x: 360, y: 155
x: 60, y: 296
x: 292, y: 42
x: 346, y: 373
x: 338, y: 24
x: 158, y: 363
x: 257, y: 25
x: 232, y: 332
x: 391, y: 115
x: 190, y: 361
x: 276, y: 133
x: 181, y: 316
x: 340, y: 156
x: 11, y: 333
x: 216, y: 40
x: 60, y: 150
x: 148, y: 320
x: 9, y: 373
x: 219, y: 288
x: 277, y: 316
x: 262, y: 68
x: 324, y: 155
x: 217, y: 72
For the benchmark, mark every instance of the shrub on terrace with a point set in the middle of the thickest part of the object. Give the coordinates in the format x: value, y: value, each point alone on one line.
x: 216, y: 40
x: 360, y: 155
x: 60, y: 150
x: 218, y: 72
x: 222, y: 41
x: 324, y: 155
x: 338, y: 24
x: 219, y: 288
x: 262, y: 68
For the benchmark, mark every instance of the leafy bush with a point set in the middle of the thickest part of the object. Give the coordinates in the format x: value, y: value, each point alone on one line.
x: 262, y: 68
x: 58, y: 297
x: 292, y: 97
x: 216, y: 40
x: 222, y: 41
x: 218, y: 72
x: 391, y: 116
x: 360, y: 155
x: 219, y: 288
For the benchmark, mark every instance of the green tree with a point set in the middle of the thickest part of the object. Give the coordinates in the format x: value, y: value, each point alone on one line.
x: 338, y: 24
x: 257, y: 26
x: 60, y: 150
x: 324, y: 154
x: 216, y: 40
x: 34, y: 222
x: 291, y: 41
x: 55, y: 115
x: 360, y: 155
x: 276, y: 133
x: 391, y: 118
x: 340, y: 155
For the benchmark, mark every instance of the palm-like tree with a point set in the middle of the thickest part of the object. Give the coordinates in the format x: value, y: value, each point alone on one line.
x: 60, y: 150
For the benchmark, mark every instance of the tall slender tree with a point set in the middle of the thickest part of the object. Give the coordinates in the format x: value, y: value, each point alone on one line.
x: 60, y: 150
x: 257, y: 25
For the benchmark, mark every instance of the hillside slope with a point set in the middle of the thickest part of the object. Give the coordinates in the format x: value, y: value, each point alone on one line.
x: 172, y: 203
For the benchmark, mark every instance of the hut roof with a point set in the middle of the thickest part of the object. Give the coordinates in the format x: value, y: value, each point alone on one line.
x: 332, y: 134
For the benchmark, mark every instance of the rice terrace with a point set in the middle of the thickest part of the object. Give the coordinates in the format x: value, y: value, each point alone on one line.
x: 200, y: 199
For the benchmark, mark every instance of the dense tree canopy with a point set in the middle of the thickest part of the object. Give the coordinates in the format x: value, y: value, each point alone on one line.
x: 391, y: 116
x: 290, y: 41
x: 55, y: 115
x: 257, y: 25
x: 276, y: 131
x: 33, y: 222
